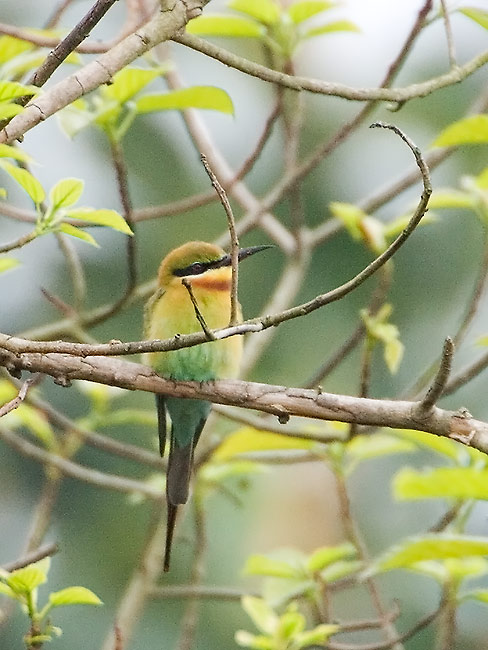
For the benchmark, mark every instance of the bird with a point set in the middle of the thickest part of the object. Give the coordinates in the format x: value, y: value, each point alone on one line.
x: 194, y: 283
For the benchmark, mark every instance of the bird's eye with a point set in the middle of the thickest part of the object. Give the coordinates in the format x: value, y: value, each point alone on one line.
x: 197, y: 268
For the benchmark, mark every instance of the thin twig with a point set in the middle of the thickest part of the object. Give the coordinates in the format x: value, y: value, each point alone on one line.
x: 257, y: 324
x: 466, y: 375
x: 449, y: 37
x: 30, y: 558
x: 69, y: 468
x: 70, y: 42
x: 234, y: 241
x: 385, y: 645
x: 398, y: 95
x: 18, y: 243
x: 440, y: 380
x: 75, y: 269
x: 20, y: 397
x: 197, y: 591
x: 209, y: 335
x: 352, y: 534
x: 44, y: 508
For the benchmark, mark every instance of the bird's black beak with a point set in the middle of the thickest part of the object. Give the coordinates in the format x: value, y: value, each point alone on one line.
x: 243, y: 253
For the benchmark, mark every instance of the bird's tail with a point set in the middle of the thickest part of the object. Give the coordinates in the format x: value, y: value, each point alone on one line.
x: 170, y: 527
x: 186, y: 415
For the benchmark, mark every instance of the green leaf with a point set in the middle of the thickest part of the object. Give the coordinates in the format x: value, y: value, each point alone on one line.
x: 11, y: 47
x: 9, y: 110
x: 11, y: 89
x: 438, y: 444
x: 264, y: 11
x: 445, y: 199
x: 66, y: 192
x: 339, y: 570
x: 5, y: 590
x: 26, y: 180
x: 327, y: 555
x: 478, y: 15
x: 477, y: 594
x: 7, y: 263
x: 35, y: 421
x: 249, y: 439
x: 305, y: 9
x: 279, y: 591
x: 470, y: 130
x: 262, y: 565
x: 316, y: 637
x: 373, y: 233
x: 222, y: 25
x: 215, y: 473
x: 204, y: 97
x: 442, y: 482
x: 428, y: 547
x: 75, y: 117
x: 109, y: 218
x: 374, y: 446
x: 350, y: 215
x: 393, y: 353
x: 7, y: 151
x: 393, y: 228
x: 73, y: 596
x: 129, y: 81
x: 254, y: 641
x: 26, y: 579
x: 328, y: 28
x: 73, y: 231
x: 261, y: 614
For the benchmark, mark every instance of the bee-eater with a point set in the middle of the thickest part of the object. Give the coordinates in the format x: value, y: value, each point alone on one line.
x: 207, y: 269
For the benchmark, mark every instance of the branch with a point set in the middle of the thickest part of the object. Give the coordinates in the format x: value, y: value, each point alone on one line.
x: 70, y: 42
x: 280, y: 401
x: 234, y: 253
x: 440, y: 380
x: 29, y: 558
x: 172, y: 17
x: 398, y: 95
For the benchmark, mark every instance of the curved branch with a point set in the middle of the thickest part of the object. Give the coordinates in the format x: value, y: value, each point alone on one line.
x: 398, y: 95
x: 255, y: 325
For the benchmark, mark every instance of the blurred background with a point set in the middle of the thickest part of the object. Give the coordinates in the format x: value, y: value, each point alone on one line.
x: 101, y: 534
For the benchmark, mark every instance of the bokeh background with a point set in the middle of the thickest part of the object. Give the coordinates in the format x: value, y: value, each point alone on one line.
x: 101, y: 534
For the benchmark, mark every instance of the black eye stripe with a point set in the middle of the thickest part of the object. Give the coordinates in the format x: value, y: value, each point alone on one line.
x: 197, y: 268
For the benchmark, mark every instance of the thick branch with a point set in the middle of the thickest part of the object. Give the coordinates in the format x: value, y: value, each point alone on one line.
x: 277, y: 400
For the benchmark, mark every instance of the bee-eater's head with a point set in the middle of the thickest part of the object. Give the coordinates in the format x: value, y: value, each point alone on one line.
x: 196, y: 258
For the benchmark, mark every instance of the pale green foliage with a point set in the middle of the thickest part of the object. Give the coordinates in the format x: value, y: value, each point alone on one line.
x: 380, y: 330
x: 373, y: 232
x: 290, y: 573
x: 408, y: 553
x: 479, y: 16
x: 26, y: 180
x: 204, y: 97
x: 285, y: 632
x: 7, y: 263
x: 113, y: 108
x: 442, y: 482
x: 22, y: 585
x: 470, y: 130
x: 27, y: 417
x: 281, y: 28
